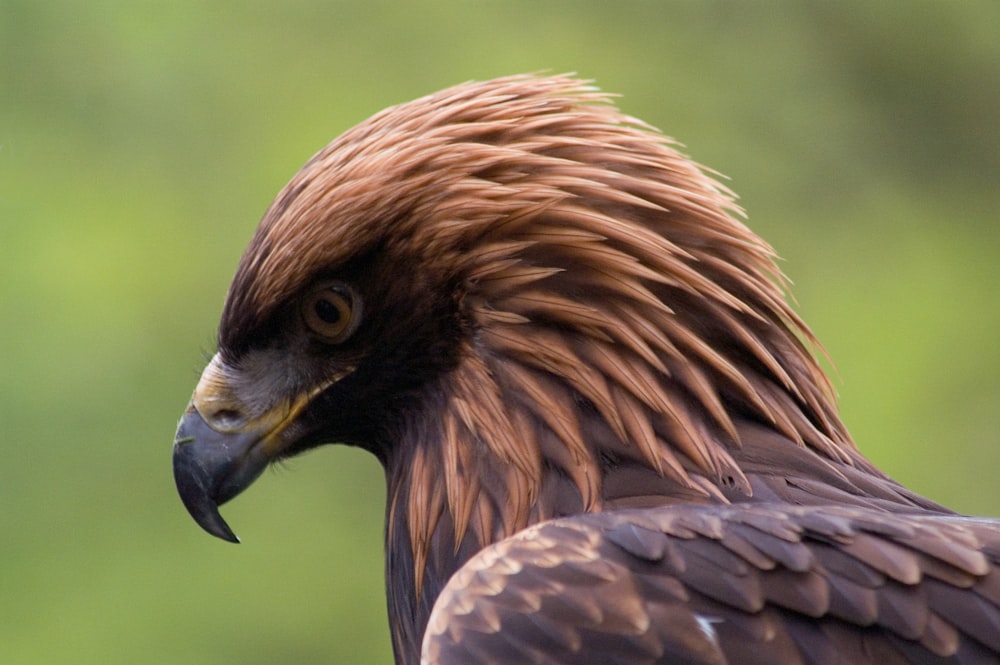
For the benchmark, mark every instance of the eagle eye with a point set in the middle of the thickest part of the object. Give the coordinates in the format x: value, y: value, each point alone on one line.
x: 332, y: 311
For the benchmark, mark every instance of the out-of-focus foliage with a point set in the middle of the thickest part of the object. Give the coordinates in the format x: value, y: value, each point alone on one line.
x: 140, y: 142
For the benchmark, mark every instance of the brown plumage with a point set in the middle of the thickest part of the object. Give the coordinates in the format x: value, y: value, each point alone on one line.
x: 598, y: 416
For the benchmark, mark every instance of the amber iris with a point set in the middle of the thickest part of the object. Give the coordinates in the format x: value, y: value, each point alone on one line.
x: 332, y: 312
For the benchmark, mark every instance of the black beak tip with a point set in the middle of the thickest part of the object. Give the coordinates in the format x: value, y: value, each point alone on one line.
x: 195, y: 489
x: 215, y: 525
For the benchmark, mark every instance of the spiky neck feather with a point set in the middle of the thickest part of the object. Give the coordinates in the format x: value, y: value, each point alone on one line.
x: 604, y: 366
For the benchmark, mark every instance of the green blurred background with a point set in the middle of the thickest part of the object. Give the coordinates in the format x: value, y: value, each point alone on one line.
x: 140, y: 143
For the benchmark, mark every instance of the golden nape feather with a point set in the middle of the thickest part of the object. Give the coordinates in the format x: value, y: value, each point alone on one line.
x: 605, y: 435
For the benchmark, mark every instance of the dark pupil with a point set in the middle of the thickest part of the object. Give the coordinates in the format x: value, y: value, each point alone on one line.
x: 328, y: 312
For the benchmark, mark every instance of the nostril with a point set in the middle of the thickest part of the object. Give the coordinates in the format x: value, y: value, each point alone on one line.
x: 227, y: 419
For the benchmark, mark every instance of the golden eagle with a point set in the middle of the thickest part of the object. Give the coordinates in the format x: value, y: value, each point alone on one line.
x: 604, y: 433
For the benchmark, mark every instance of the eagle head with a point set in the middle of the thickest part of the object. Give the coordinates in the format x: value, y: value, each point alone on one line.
x: 524, y: 303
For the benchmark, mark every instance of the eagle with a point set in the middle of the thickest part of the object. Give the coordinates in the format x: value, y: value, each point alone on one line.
x: 605, y: 433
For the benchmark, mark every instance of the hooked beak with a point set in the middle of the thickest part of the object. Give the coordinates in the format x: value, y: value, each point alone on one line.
x: 222, y: 445
x: 212, y: 467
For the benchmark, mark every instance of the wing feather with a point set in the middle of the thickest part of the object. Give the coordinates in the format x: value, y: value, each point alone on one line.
x: 736, y: 585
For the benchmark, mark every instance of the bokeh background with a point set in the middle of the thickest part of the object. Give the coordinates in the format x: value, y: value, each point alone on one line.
x: 140, y: 143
